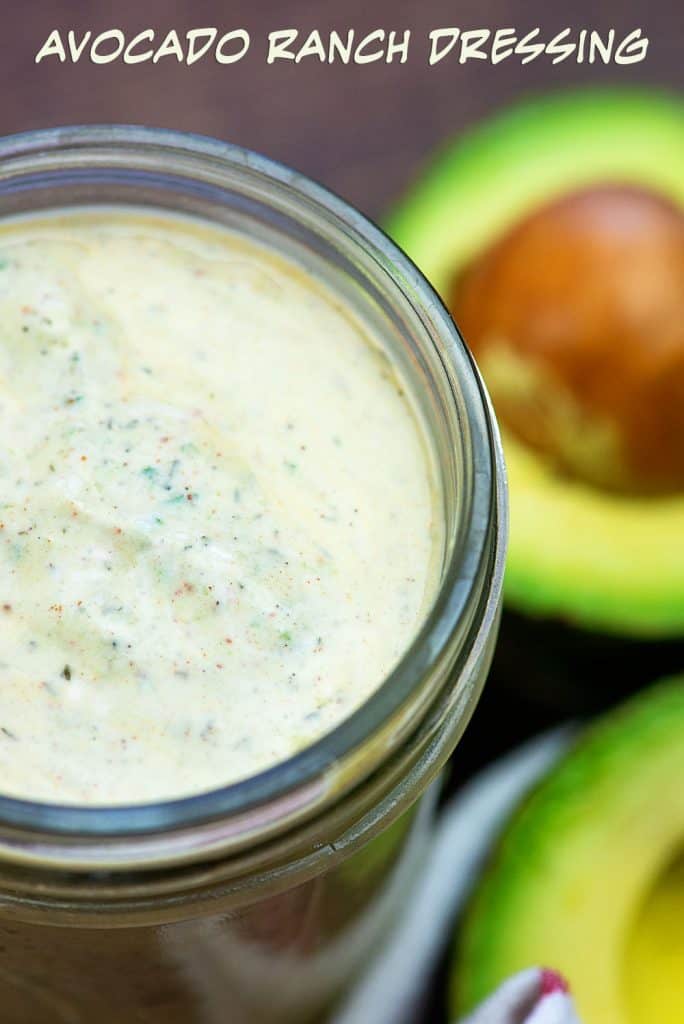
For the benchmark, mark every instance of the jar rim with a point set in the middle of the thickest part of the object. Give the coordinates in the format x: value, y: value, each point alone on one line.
x: 303, y: 780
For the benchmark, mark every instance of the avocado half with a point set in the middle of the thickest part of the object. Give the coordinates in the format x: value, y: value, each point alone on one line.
x: 588, y: 877
x: 608, y: 562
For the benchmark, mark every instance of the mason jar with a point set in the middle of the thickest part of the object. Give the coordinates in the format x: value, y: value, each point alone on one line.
x: 261, y: 901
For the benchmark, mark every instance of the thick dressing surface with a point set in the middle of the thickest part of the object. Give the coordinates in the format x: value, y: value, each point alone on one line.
x: 216, y: 511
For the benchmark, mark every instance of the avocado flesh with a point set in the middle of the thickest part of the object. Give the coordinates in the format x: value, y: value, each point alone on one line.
x: 609, y: 562
x: 654, y: 962
x: 603, y: 561
x: 587, y: 878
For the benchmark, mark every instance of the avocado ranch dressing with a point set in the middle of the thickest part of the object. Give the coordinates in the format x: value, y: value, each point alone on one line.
x: 217, y: 531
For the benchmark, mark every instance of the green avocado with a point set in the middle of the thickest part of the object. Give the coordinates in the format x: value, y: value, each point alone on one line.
x: 588, y: 877
x: 607, y: 562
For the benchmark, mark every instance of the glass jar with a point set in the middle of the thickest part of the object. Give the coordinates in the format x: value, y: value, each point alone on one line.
x: 261, y: 900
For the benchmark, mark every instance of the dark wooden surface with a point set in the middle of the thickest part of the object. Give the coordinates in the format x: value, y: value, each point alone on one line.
x: 363, y: 131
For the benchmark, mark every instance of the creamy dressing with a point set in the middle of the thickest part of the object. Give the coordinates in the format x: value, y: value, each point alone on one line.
x: 216, y: 509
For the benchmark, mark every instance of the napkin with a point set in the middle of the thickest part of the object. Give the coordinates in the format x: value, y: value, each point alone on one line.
x: 393, y: 989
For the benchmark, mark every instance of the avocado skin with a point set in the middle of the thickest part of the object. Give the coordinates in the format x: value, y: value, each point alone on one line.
x: 608, y: 756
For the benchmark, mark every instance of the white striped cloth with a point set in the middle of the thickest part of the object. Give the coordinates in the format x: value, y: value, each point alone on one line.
x: 536, y: 996
x: 393, y: 989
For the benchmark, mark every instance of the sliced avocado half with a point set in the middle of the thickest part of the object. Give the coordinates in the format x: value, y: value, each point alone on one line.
x: 606, y: 561
x: 588, y: 877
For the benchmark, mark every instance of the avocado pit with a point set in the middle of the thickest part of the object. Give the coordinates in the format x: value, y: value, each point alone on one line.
x: 576, y: 317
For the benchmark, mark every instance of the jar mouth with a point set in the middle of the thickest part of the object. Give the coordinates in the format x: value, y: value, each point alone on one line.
x: 471, y: 579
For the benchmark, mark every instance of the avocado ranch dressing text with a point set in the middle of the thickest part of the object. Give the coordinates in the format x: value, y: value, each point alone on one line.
x: 216, y: 522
